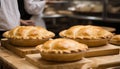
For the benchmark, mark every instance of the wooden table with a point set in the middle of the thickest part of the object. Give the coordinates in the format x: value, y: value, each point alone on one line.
x: 8, y: 60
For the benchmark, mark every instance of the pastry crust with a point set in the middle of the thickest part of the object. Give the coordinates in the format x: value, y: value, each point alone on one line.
x: 115, y: 40
x: 62, y: 49
x: 28, y: 35
x: 26, y: 42
x: 90, y: 35
x: 93, y: 42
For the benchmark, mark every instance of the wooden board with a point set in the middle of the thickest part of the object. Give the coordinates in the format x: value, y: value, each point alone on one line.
x: 8, y: 59
x: 97, y: 51
x: 35, y: 59
x: 20, y: 51
x: 92, y: 52
x: 111, y: 29
x: 108, y: 49
x: 102, y: 62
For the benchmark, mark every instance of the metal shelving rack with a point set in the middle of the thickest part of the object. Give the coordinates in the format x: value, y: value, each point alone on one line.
x: 107, y: 18
x: 104, y: 15
x: 53, y: 17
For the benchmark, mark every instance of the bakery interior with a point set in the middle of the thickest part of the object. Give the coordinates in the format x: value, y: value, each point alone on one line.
x: 60, y: 15
x: 83, y: 12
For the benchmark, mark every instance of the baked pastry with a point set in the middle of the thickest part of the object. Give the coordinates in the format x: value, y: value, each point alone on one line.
x: 28, y: 35
x: 90, y: 35
x: 62, y: 49
x: 115, y: 40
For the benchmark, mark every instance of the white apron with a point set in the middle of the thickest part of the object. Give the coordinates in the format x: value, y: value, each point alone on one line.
x: 9, y: 14
x: 35, y: 8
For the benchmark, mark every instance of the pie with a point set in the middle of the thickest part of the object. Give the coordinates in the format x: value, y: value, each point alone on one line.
x: 115, y: 40
x: 62, y: 49
x: 28, y: 35
x: 88, y: 34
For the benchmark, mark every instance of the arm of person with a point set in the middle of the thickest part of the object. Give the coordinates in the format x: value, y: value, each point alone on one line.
x: 34, y: 7
x: 27, y: 22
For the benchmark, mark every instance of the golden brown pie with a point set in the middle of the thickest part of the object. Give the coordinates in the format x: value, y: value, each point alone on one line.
x: 28, y: 35
x: 115, y: 40
x: 62, y: 49
x: 88, y: 34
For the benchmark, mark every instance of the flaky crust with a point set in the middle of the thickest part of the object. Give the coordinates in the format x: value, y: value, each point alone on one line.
x: 61, y: 46
x: 28, y: 35
x: 62, y: 49
x: 86, y: 32
x: 26, y: 42
x: 28, y: 32
x: 93, y: 42
x: 115, y: 40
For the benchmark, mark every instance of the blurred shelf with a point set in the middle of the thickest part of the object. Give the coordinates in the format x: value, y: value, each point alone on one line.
x: 94, y: 18
x: 85, y: 17
x: 58, y: 2
x: 112, y: 20
x: 53, y: 16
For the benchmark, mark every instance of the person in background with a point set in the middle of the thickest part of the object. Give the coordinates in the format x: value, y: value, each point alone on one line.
x: 23, y: 13
x: 35, y: 8
x: 10, y: 16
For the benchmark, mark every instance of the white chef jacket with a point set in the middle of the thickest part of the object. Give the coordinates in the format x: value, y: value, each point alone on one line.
x: 36, y: 7
x: 9, y: 14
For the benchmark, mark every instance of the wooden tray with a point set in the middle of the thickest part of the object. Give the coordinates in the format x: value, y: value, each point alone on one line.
x: 92, y: 52
x: 90, y: 63
x: 104, y: 62
x: 108, y: 49
x: 9, y: 60
x: 35, y: 59
x: 101, y: 62
x: 20, y: 51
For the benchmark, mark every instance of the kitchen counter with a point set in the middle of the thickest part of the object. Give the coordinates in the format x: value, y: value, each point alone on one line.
x: 9, y: 60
